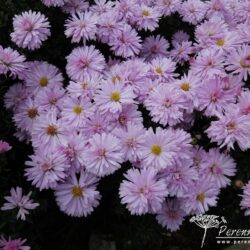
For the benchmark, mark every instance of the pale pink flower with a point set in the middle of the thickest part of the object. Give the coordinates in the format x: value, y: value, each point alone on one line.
x: 125, y: 42
x: 84, y: 61
x: 11, y: 62
x: 238, y: 62
x: 30, y: 30
x: 78, y: 196
x: 20, y: 201
x: 171, y: 214
x: 103, y: 156
x: 74, y: 6
x: 219, y: 167
x: 131, y: 141
x: 45, y: 170
x: 153, y: 47
x: 81, y: 26
x: 142, y: 192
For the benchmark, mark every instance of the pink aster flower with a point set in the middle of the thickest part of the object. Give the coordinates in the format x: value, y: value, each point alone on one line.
x: 75, y: 111
x: 243, y: 32
x: 111, y: 97
x: 15, y: 95
x: 128, y: 114
x: 84, y: 61
x: 102, y: 6
x: 181, y: 52
x: 125, y: 42
x: 11, y: 62
x: 30, y: 30
x: 41, y: 75
x: 73, y: 149
x: 54, y: 3
x: 218, y: 167
x: 142, y: 91
x: 47, y: 132
x: 183, y: 141
x: 166, y: 105
x: 108, y: 23
x: 142, y: 192
x: 244, y: 102
x: 158, y: 149
x: 45, y: 170
x: 245, y: 202
x: 131, y: 140
x: 26, y: 114
x: 81, y: 26
x: 171, y: 214
x: 202, y: 195
x: 126, y: 9
x: 192, y: 11
x: 212, y: 98
x: 167, y: 7
x: 198, y: 154
x: 74, y: 6
x: 134, y: 71
x: 243, y: 9
x: 209, y: 63
x: 16, y: 244
x: 50, y: 99
x: 230, y: 128
x: 179, y: 37
x: 78, y: 196
x: 163, y: 69
x: 153, y: 47
x: 17, y: 200
x: 238, y: 62
x: 147, y: 17
x: 86, y: 88
x: 103, y: 155
x: 179, y: 177
x: 96, y: 124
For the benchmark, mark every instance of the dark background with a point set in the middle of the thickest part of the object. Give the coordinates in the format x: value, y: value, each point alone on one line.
x: 49, y: 229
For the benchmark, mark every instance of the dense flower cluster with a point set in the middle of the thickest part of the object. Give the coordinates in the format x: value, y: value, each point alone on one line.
x: 85, y: 127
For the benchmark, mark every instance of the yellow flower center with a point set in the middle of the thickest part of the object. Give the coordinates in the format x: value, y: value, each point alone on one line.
x: 158, y: 70
x: 185, y: 86
x: 145, y: 13
x: 200, y: 197
x: 77, y: 191
x: 51, y: 130
x: 43, y: 81
x: 115, y: 96
x: 156, y: 149
x: 32, y: 113
x: 77, y: 109
x: 220, y: 42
